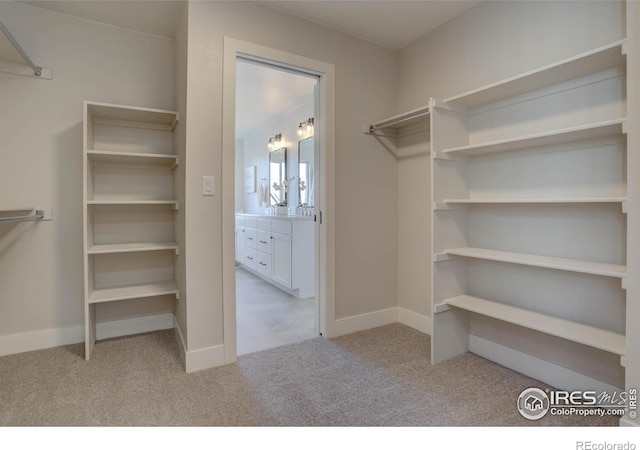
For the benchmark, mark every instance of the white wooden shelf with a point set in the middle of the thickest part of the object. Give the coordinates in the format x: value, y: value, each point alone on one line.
x: 449, y: 203
x: 132, y: 292
x: 12, y: 209
x: 594, y: 61
x: 133, y: 202
x: 128, y: 160
x: 131, y: 116
x: 134, y: 158
x: 102, y: 249
x: 573, y: 134
x: 573, y: 331
x: 395, y: 123
x: 548, y: 262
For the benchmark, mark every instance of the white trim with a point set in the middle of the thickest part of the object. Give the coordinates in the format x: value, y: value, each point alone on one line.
x: 204, y: 358
x: 325, y: 133
x: 414, y: 320
x: 125, y: 327
x: 39, y: 340
x: 366, y: 321
x: 545, y: 371
x: 56, y: 337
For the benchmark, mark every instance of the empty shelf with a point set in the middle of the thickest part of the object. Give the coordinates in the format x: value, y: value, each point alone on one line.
x: 571, y: 265
x: 586, y: 63
x: 130, y: 292
x: 130, y: 116
x: 524, y: 201
x: 6, y: 209
x: 133, y: 158
x: 573, y: 134
x: 132, y: 247
x: 576, y: 332
x: 132, y: 202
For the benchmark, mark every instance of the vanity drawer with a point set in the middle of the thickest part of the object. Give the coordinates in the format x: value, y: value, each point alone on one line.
x: 250, y: 237
x: 250, y: 258
x: 263, y: 265
x: 263, y: 224
x: 281, y: 226
x: 263, y: 243
x: 240, y: 221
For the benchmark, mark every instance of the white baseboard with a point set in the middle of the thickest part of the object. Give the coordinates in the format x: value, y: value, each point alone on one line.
x: 200, y: 359
x: 39, y: 340
x: 56, y: 337
x: 545, y: 371
x: 125, y: 327
x: 414, y: 320
x: 365, y: 321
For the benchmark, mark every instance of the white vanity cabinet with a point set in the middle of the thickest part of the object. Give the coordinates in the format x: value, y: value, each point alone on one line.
x: 278, y: 249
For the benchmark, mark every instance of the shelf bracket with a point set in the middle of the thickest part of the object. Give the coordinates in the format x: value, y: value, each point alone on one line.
x: 623, y: 283
x: 624, y: 207
x: 177, y: 295
x: 439, y: 257
x: 444, y: 206
x: 623, y: 361
x: 441, y: 307
x: 448, y: 157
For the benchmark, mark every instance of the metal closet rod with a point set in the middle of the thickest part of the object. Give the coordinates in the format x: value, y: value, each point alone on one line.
x: 39, y: 215
x: 36, y: 70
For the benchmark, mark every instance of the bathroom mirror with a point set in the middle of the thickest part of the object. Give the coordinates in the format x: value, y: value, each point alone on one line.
x: 305, y: 172
x: 278, y: 177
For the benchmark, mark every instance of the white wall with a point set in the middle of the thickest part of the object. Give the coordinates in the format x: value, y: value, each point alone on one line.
x: 256, y: 153
x: 366, y: 184
x: 41, y: 148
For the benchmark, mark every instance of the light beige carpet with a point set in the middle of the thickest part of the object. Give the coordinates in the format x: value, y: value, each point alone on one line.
x: 379, y: 377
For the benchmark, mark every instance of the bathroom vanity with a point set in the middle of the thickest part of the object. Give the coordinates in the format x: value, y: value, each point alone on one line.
x: 278, y: 249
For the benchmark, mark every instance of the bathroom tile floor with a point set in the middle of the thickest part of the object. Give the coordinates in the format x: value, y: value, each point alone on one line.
x: 268, y: 317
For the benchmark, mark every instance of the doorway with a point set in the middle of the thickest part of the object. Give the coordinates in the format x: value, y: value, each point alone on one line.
x: 324, y: 143
x: 275, y: 181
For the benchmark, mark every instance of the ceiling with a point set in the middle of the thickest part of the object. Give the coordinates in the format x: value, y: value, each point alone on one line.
x: 391, y: 24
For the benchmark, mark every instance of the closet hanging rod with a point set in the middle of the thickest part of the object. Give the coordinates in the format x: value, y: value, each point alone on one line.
x: 39, y: 215
x: 36, y: 70
x: 398, y: 120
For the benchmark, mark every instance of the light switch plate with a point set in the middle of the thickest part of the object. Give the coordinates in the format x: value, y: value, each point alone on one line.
x: 208, y: 185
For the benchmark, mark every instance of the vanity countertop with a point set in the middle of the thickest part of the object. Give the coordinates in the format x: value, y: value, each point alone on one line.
x: 278, y: 217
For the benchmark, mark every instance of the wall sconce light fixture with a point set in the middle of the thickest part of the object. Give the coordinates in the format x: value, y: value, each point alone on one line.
x: 306, y: 128
x: 275, y: 142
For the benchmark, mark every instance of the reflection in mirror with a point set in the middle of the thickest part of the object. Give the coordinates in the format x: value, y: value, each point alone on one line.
x: 278, y: 184
x: 305, y: 172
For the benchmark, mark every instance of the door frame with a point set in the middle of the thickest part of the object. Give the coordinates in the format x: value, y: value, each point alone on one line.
x: 324, y: 134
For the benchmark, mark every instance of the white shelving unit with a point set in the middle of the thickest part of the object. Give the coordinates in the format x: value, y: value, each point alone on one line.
x: 129, y: 207
x: 529, y: 196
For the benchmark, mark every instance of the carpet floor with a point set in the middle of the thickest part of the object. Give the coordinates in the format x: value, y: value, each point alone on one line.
x: 379, y: 377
